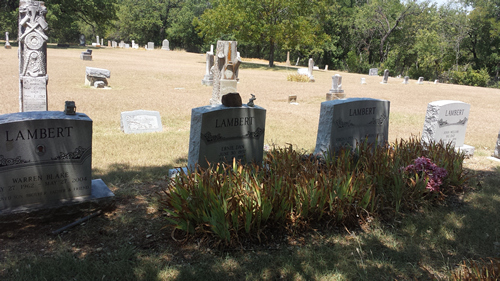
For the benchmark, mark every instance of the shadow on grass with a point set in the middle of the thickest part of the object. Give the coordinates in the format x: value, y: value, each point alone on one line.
x: 252, y: 65
x: 420, y: 246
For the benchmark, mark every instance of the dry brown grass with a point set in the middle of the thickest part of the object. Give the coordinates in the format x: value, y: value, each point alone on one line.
x: 170, y: 82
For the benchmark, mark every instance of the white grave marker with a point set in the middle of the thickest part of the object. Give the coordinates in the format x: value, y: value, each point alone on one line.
x: 446, y: 121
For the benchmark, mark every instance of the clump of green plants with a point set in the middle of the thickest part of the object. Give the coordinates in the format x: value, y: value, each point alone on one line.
x: 295, y: 77
x: 291, y: 190
x: 478, y: 270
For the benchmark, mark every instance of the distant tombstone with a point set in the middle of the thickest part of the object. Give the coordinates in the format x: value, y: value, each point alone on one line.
x: 93, y: 75
x: 109, y: 44
x: 336, y: 91
x: 297, y: 63
x: 310, y: 70
x: 386, y: 77
x: 373, y: 72
x: 86, y: 55
x: 303, y: 71
x: 326, y: 67
x: 46, y: 161
x: 225, y: 69
x: 292, y: 99
x: 363, y: 81
x: 140, y: 121
x: 165, y: 45
x: 446, y: 121
x: 151, y: 46
x: 33, y: 76
x: 208, y: 79
x: 98, y: 44
x: 436, y: 81
x: 114, y: 44
x: 122, y: 44
x: 102, y: 42
x: 287, y: 58
x: 7, y: 43
x: 346, y: 122
x: 127, y: 46
x: 497, y: 147
x: 420, y: 80
x: 220, y: 134
x: 406, y: 80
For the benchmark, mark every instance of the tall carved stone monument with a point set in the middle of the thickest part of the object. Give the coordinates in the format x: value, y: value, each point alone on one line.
x: 208, y: 80
x: 225, y: 69
x: 7, y: 44
x: 33, y: 76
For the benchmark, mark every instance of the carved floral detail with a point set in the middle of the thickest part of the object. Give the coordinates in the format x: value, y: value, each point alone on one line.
x: 77, y: 154
x: 11, y: 161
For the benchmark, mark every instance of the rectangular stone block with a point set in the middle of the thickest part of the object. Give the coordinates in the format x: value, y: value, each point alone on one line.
x: 373, y: 72
x: 446, y: 121
x: 346, y: 122
x: 45, y: 157
x: 221, y: 134
x: 140, y: 121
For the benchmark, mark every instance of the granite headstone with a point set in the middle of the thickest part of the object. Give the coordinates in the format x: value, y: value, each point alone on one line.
x: 373, y: 72
x: 346, y: 122
x: 221, y: 134
x: 446, y: 121
x: 46, y: 159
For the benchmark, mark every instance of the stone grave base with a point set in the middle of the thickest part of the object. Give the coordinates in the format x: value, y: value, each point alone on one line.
x: 101, y: 198
x: 335, y: 96
x: 466, y: 149
x: 207, y: 81
x: 85, y: 57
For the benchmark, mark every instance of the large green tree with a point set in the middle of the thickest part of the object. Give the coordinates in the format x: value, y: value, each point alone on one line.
x: 67, y: 18
x: 285, y: 24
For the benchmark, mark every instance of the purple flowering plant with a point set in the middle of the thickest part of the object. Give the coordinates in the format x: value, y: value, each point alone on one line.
x: 428, y: 171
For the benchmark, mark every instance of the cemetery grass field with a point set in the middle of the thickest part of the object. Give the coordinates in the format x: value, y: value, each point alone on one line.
x: 131, y: 242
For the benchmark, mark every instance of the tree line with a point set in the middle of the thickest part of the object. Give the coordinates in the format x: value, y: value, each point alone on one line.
x: 458, y: 42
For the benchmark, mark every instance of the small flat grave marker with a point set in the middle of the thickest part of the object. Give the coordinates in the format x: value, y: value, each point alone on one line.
x: 140, y: 121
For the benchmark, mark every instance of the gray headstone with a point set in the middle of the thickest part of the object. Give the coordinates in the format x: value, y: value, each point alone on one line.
x: 386, y: 77
x: 446, y: 121
x: 373, y: 72
x: 345, y: 122
x: 45, y: 157
x: 151, y: 45
x: 82, y: 40
x: 33, y: 76
x: 406, y: 80
x: 97, y: 41
x: 219, y: 134
x: 140, y: 121
x: 420, y: 80
x: 363, y: 81
x: 165, y: 45
x: 497, y: 147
